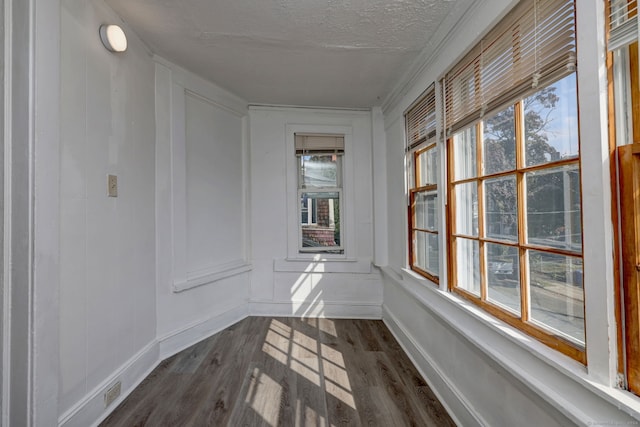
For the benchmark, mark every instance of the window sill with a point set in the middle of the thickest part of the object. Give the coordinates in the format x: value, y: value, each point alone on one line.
x: 409, y: 274
x: 205, y: 277
x: 559, y: 380
x: 319, y: 263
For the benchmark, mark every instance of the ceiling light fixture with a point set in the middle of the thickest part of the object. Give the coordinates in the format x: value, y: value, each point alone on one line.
x: 113, y: 38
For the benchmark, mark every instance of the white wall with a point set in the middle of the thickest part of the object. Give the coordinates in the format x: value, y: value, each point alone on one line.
x: 165, y: 263
x: 214, y: 185
x: 284, y: 281
x: 186, y: 249
x: 486, y: 372
x: 30, y: 281
x: 107, y: 245
x: 201, y: 204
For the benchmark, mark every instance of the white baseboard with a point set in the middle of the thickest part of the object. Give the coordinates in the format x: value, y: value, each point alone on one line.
x: 450, y: 397
x: 91, y: 409
x: 355, y: 310
x: 178, y: 340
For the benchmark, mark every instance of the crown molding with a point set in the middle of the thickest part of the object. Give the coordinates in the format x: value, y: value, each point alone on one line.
x: 462, y: 14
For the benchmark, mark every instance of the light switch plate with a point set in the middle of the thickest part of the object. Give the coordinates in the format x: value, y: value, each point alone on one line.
x: 112, y: 185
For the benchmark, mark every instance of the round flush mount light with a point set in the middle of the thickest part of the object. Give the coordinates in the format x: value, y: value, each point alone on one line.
x: 113, y: 38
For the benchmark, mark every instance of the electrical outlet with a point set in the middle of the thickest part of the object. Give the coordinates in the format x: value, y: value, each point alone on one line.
x: 112, y: 185
x: 112, y: 393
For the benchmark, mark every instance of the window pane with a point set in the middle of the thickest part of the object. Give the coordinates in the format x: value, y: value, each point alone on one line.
x: 468, y: 265
x: 321, y: 221
x: 551, y: 123
x: 503, y: 276
x: 305, y: 204
x: 501, y: 208
x: 499, y: 142
x: 464, y: 153
x: 556, y: 293
x: 320, y: 170
x: 426, y: 216
x: 426, y: 252
x: 553, y: 208
x: 428, y: 168
x: 467, y: 209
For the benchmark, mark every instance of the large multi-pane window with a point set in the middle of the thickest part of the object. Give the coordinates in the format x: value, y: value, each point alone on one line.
x: 516, y: 220
x: 514, y: 194
x: 424, y: 252
x: 319, y: 160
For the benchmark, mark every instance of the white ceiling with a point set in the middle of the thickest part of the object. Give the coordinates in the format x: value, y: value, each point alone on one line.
x: 333, y: 53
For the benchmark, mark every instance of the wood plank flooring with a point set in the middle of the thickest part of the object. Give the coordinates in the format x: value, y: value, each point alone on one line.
x: 286, y: 372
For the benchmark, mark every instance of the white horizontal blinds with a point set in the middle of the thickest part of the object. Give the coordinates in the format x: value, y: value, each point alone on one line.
x: 421, y: 119
x: 533, y: 44
x: 318, y: 143
x: 623, y: 23
x: 461, y: 94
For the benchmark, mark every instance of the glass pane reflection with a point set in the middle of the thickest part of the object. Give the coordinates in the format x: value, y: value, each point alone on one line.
x: 503, y: 276
x: 553, y: 208
x: 468, y: 265
x: 320, y: 219
x: 426, y: 252
x: 556, y: 293
x: 551, y: 123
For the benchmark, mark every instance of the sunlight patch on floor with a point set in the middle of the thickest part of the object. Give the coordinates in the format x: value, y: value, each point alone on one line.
x: 332, y: 355
x: 328, y: 327
x: 318, y: 363
x: 305, y: 341
x: 276, y: 353
x: 336, y: 374
x: 300, y: 369
x: 264, y: 397
x: 280, y: 328
x: 339, y: 393
x: 307, y: 416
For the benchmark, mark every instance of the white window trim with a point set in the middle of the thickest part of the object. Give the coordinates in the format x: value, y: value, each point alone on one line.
x: 347, y: 213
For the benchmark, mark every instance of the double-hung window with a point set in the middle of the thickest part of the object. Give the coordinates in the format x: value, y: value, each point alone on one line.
x: 424, y: 253
x: 624, y: 77
x: 319, y: 162
x: 515, y: 231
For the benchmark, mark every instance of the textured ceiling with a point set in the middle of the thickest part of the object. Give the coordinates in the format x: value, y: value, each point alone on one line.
x: 334, y: 53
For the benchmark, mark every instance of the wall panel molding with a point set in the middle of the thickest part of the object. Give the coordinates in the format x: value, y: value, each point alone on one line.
x: 184, y: 87
x: 213, y: 274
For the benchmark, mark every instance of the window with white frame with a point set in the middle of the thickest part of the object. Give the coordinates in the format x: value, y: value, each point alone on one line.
x: 515, y: 230
x: 424, y: 250
x: 319, y: 163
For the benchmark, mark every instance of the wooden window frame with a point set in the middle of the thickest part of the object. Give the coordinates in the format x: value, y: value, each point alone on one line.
x: 629, y: 183
x: 522, y: 322
x: 415, y: 189
x: 625, y: 185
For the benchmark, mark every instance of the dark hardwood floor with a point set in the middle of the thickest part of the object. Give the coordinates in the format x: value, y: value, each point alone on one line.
x: 286, y: 372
